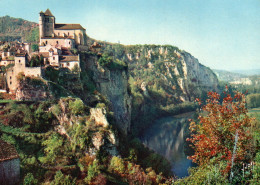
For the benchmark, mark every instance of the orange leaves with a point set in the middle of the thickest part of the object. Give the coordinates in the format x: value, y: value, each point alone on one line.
x: 214, y: 135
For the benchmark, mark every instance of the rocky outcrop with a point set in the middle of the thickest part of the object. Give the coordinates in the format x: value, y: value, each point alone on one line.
x: 102, y: 135
x: 112, y: 84
x: 179, y: 74
x: 196, y: 77
x: 99, y: 116
x: 29, y: 90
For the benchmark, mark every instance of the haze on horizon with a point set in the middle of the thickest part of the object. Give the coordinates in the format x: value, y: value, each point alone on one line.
x: 222, y: 34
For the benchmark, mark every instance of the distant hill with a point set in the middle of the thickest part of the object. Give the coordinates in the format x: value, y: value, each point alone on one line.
x: 228, y: 76
x: 18, y: 29
x: 248, y: 72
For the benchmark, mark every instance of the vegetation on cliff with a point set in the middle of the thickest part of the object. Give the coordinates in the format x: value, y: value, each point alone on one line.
x: 12, y: 29
x: 59, y: 141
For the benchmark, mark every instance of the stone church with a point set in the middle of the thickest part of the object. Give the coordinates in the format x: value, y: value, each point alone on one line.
x: 65, y: 35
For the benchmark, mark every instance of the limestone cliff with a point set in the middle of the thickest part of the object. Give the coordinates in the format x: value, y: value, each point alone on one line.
x: 197, y: 77
x: 164, y: 70
x: 69, y: 117
x: 112, y: 84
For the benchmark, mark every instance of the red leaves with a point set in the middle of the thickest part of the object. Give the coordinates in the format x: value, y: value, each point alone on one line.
x: 215, y: 134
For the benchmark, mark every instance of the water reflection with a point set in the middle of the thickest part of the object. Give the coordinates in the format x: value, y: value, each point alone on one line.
x: 167, y: 137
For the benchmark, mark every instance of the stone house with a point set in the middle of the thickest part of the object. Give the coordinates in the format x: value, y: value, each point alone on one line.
x: 20, y: 67
x: 9, y: 164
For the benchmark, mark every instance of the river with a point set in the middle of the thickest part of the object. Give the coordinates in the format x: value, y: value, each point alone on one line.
x: 167, y: 137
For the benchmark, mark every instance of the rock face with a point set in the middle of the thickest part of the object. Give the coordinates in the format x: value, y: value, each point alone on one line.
x: 103, y: 136
x: 196, y: 76
x: 112, y: 84
x: 99, y: 116
x: 176, y: 72
x: 29, y: 91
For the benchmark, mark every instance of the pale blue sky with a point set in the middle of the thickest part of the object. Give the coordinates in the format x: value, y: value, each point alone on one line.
x: 222, y: 34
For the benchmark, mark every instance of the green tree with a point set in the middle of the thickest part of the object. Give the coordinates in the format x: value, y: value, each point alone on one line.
x: 35, y: 47
x: 30, y: 180
x: 61, y: 179
x: 52, y: 149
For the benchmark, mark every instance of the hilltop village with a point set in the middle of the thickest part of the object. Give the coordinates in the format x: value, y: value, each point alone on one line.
x: 56, y: 48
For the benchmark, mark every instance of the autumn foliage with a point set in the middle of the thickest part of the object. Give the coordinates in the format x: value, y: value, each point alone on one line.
x: 213, y: 138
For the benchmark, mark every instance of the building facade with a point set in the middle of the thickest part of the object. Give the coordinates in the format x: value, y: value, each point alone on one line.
x: 65, y: 35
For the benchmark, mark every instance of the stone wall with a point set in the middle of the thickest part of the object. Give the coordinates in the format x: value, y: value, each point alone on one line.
x: 10, y: 172
x: 33, y: 71
x: 29, y: 91
x: 63, y: 42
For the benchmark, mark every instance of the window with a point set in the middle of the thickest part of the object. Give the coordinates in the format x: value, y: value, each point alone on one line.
x: 57, y: 42
x: 59, y: 34
x: 53, y: 58
x: 46, y: 42
x: 68, y: 33
x: 10, y: 77
x: 19, y: 61
x: 69, y: 42
x: 10, y: 83
x: 68, y: 64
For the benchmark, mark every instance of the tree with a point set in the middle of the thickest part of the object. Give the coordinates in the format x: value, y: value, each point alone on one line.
x: 61, y: 179
x: 36, y: 61
x: 213, y: 138
x: 35, y: 47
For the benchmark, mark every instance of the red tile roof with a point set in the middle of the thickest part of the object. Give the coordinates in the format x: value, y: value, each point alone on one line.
x: 44, y: 54
x: 7, y: 151
x: 68, y: 27
x: 65, y: 51
x: 69, y: 58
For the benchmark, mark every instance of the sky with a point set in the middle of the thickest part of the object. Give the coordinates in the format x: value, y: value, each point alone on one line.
x: 222, y: 34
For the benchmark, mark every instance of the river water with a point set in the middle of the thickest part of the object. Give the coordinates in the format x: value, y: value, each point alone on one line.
x: 167, y: 137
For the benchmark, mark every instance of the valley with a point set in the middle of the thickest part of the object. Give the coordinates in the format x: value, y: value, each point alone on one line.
x: 77, y: 110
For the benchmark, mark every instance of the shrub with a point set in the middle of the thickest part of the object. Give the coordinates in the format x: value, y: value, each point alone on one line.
x: 77, y: 107
x: 117, y: 164
x: 29, y: 179
x: 61, y: 179
x: 107, y: 61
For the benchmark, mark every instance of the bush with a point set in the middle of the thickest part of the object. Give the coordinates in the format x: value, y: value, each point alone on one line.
x: 77, y: 107
x: 117, y: 164
x: 30, y: 180
x: 61, y: 179
x: 107, y: 61
x: 253, y: 100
